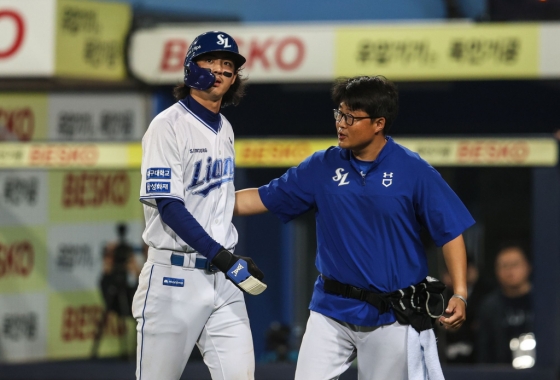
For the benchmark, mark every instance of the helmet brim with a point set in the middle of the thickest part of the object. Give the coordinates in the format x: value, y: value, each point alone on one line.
x: 238, y: 59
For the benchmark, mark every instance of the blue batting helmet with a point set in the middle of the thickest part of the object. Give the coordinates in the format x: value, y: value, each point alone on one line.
x: 203, y: 79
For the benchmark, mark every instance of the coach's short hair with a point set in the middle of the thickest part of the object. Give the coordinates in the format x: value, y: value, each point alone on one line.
x: 375, y: 95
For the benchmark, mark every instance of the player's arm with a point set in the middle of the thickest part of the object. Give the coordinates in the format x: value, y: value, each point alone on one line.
x: 248, y: 202
x: 455, y: 256
x: 242, y: 271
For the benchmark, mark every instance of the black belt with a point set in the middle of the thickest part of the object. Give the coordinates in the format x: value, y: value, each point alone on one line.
x: 418, y: 305
x: 380, y: 301
x: 200, y: 263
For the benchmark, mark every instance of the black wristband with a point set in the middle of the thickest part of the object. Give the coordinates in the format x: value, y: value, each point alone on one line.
x: 224, y: 260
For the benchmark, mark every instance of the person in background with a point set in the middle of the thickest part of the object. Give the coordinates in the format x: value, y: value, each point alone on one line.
x: 507, y: 312
x: 118, y: 283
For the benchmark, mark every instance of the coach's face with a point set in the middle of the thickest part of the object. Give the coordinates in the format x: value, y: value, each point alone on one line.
x: 223, y: 67
x: 356, y: 130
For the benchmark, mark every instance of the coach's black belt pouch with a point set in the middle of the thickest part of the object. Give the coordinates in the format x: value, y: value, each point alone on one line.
x: 418, y: 305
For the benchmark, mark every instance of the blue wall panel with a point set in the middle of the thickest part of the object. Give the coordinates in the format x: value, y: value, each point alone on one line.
x: 315, y: 10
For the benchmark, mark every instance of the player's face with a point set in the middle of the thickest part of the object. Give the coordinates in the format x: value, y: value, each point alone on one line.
x: 361, y: 134
x: 223, y: 67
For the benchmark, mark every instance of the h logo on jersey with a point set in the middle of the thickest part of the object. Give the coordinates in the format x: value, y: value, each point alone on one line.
x: 387, y: 179
x: 236, y: 270
x: 340, y: 176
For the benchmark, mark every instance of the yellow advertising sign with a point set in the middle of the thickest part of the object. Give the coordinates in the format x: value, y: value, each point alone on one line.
x: 254, y: 153
x: 68, y: 155
x: 90, y: 39
x: 79, y: 196
x: 257, y: 153
x: 134, y: 152
x: 485, y: 151
x: 23, y: 259
x: 438, y: 152
x: 439, y: 52
x: 23, y: 117
x: 73, y: 322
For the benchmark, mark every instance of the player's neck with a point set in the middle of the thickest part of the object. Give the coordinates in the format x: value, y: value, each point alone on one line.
x: 206, y: 101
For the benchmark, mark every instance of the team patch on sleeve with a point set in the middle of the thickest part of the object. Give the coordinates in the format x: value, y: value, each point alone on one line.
x: 170, y: 281
x: 158, y: 173
x: 158, y: 187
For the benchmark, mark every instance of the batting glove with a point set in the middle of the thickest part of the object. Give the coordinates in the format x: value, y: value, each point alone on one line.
x: 242, y: 271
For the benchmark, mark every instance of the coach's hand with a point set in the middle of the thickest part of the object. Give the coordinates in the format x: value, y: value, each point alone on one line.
x: 242, y: 271
x: 455, y: 314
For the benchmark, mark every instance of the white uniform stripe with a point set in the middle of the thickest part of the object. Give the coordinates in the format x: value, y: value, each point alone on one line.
x: 144, y: 322
x: 142, y: 199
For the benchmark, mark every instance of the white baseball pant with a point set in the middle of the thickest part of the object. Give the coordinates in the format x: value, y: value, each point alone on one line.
x: 328, y: 349
x: 208, y: 311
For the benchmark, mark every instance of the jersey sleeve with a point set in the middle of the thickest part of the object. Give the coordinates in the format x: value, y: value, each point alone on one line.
x: 292, y: 194
x: 162, y: 173
x: 439, y: 208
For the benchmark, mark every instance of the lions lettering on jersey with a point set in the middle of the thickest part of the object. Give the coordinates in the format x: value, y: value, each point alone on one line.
x: 215, y: 174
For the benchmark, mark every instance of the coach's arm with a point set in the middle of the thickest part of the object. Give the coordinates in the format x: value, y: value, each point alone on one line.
x: 455, y: 256
x: 248, y: 202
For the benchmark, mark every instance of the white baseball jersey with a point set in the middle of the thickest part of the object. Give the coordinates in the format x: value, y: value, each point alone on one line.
x: 186, y: 159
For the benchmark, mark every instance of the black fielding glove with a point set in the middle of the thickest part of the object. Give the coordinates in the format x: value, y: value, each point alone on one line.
x: 240, y: 270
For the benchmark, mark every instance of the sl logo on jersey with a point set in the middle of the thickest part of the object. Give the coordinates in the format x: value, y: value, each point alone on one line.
x: 340, y: 176
x: 387, y: 179
x: 223, y: 41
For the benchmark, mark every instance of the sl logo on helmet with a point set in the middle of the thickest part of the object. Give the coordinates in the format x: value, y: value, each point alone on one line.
x: 223, y: 41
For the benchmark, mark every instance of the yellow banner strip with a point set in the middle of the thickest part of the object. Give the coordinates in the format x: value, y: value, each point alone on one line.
x: 64, y: 155
x: 262, y: 153
x: 485, y: 151
x: 439, y: 51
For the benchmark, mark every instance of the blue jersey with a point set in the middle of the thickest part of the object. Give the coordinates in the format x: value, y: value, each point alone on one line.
x: 368, y: 224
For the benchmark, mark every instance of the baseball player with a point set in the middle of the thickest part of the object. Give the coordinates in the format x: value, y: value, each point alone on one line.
x: 190, y: 289
x: 371, y: 196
